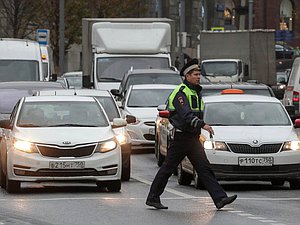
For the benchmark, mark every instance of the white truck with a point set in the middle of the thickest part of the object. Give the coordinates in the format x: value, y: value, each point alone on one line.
x: 110, y: 47
x: 21, y: 60
x: 223, y: 70
x: 240, y: 55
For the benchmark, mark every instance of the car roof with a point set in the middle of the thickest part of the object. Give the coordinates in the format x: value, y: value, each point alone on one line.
x: 154, y: 86
x: 59, y: 98
x: 150, y: 71
x: 239, y: 85
x: 239, y: 98
x: 73, y: 74
x: 33, y: 85
x: 80, y: 92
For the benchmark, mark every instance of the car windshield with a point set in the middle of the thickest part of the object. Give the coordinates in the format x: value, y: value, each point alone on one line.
x: 220, y: 68
x: 109, y: 107
x: 62, y: 113
x: 19, y: 70
x: 74, y: 82
x: 152, y: 79
x: 264, y: 92
x: 148, y: 98
x: 113, y: 68
x: 245, y: 114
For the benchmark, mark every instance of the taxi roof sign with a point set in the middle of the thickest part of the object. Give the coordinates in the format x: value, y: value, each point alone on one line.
x: 232, y: 91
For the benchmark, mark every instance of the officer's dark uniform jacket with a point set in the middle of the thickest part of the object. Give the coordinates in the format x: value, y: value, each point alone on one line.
x: 186, y: 108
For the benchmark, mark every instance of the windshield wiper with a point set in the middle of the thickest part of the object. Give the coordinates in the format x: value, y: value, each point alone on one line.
x: 28, y: 125
x: 109, y: 79
x: 71, y: 125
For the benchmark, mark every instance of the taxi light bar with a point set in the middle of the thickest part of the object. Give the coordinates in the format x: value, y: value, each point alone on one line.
x: 232, y: 91
x: 44, y: 56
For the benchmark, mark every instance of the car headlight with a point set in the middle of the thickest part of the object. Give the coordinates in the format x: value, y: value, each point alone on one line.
x: 25, y: 146
x: 291, y: 146
x: 107, y: 146
x: 215, y: 145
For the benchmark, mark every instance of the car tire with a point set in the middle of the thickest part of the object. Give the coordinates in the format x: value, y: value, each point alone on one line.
x: 183, y: 177
x: 277, y: 182
x: 2, y: 178
x: 114, y: 186
x: 295, y: 184
x: 197, y: 181
x: 126, y: 167
x: 12, y: 186
x: 160, y: 157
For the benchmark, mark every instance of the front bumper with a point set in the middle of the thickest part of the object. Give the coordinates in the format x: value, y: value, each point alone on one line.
x: 286, y: 165
x: 33, y: 167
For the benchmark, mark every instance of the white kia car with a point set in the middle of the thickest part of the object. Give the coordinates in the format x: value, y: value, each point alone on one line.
x: 60, y: 138
x: 110, y: 106
x: 141, y: 101
x: 254, y: 139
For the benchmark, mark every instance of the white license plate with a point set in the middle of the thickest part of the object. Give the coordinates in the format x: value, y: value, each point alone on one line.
x: 67, y: 165
x: 151, y: 131
x: 256, y: 161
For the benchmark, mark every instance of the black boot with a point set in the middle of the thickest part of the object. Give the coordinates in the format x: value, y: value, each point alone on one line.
x: 155, y: 202
x: 225, y: 201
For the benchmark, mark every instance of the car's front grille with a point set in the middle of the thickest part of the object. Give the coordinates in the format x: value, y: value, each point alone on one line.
x: 247, y: 149
x: 149, y: 137
x: 59, y: 151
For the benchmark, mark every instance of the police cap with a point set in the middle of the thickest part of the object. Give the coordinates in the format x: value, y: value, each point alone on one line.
x: 190, y: 65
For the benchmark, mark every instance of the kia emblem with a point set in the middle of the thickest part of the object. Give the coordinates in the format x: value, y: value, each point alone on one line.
x: 66, y: 142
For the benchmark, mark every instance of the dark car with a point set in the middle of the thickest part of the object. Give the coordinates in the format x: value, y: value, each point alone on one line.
x: 11, y: 92
x: 146, y: 76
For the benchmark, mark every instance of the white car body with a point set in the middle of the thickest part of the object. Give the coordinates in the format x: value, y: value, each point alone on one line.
x: 142, y: 133
x: 60, y: 149
x: 254, y: 151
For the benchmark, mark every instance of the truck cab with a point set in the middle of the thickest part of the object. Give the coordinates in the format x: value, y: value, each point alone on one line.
x: 223, y: 70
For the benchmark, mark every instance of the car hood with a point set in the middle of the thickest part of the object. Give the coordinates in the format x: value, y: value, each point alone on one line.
x: 143, y: 113
x: 247, y: 134
x: 75, y: 135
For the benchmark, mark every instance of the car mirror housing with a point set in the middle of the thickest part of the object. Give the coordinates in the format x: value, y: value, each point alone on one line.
x: 130, y: 119
x: 118, y: 122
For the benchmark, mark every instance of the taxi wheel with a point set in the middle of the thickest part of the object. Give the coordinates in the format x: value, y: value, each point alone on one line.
x: 277, y: 182
x: 126, y: 164
x: 160, y: 157
x: 295, y: 184
x: 2, y: 177
x: 114, y: 186
x: 183, y: 177
x: 197, y: 181
x: 12, y: 186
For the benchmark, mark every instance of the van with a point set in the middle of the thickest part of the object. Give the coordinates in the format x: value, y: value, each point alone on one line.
x: 20, y: 60
x: 291, y: 95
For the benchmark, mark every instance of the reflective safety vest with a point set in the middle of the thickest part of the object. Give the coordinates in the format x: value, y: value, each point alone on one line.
x: 191, y: 96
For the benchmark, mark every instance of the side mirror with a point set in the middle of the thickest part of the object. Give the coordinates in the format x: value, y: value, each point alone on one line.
x: 118, y: 122
x: 164, y: 113
x: 297, y: 123
x: 130, y: 119
x: 246, y: 70
x: 5, y: 124
x: 115, y: 92
x: 161, y: 107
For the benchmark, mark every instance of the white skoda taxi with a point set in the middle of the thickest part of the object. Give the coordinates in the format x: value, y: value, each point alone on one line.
x: 60, y: 138
x: 254, y: 139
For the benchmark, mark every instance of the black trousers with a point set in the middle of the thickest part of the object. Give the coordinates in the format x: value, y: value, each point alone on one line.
x: 186, y: 145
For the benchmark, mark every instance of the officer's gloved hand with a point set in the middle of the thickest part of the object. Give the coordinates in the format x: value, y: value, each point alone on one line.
x: 208, y: 129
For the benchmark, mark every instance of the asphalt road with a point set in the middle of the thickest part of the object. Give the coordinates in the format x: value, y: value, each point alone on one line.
x: 83, y: 203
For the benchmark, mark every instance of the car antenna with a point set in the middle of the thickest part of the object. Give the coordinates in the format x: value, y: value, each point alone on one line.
x: 75, y: 92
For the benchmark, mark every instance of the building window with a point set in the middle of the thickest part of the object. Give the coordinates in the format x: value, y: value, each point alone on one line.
x: 286, y: 15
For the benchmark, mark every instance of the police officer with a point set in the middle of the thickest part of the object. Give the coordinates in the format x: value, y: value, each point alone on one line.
x: 186, y: 106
